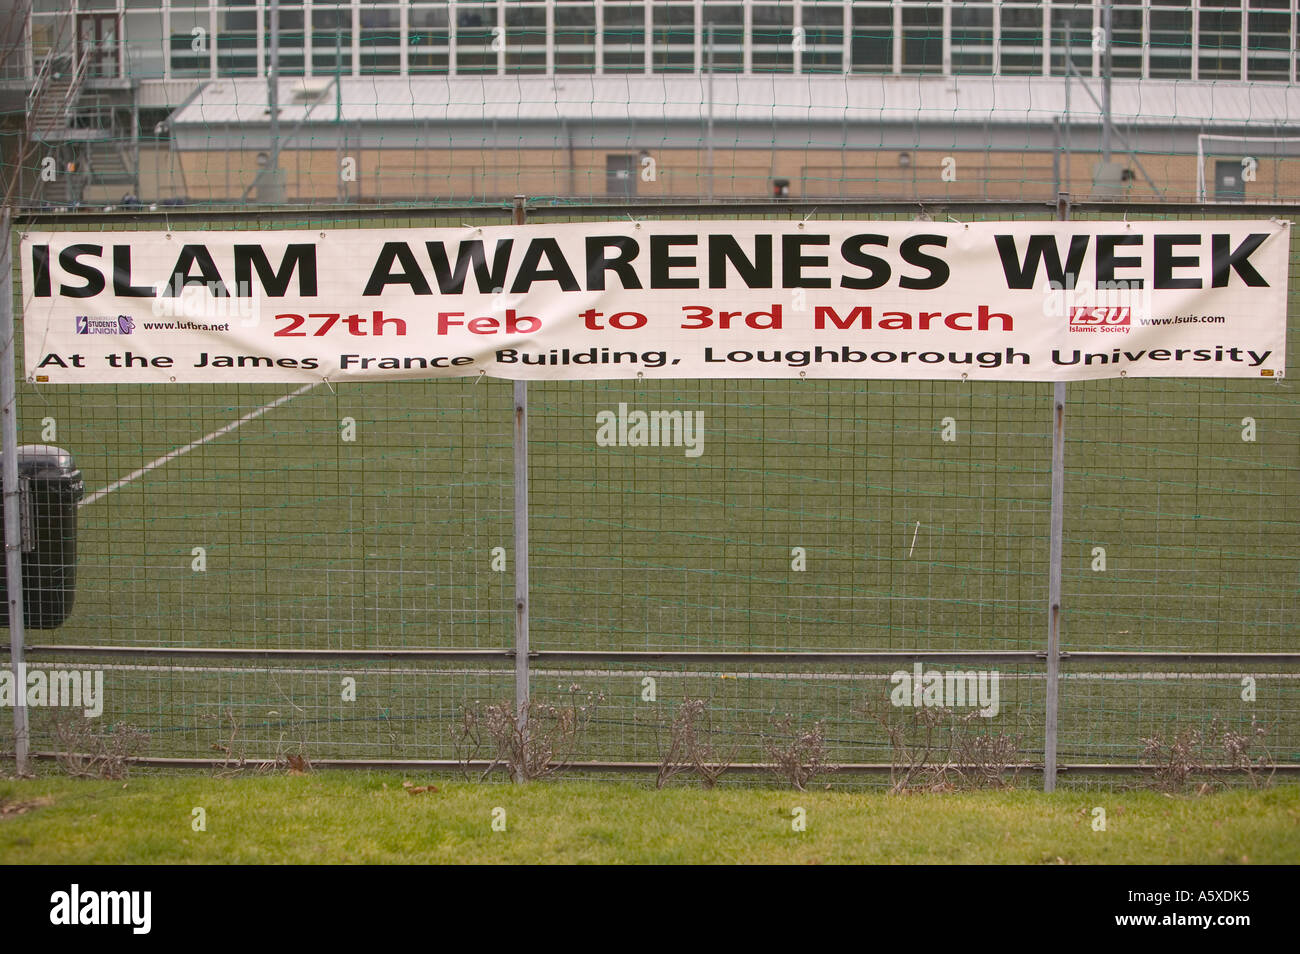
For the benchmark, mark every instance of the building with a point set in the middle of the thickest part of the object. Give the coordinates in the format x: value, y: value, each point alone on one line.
x: 431, y: 100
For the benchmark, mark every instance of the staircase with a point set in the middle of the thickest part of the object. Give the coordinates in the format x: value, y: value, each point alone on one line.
x: 110, y: 162
x: 84, y: 129
x: 49, y: 106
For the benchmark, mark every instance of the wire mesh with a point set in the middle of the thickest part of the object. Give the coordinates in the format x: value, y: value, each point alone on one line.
x: 806, y: 516
x: 816, y: 515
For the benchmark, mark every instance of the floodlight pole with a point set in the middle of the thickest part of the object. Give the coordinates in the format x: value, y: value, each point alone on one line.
x: 521, y: 541
x: 13, y: 535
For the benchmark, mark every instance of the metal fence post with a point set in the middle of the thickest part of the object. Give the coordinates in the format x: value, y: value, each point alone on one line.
x: 1054, y: 564
x: 13, y: 527
x: 521, y: 540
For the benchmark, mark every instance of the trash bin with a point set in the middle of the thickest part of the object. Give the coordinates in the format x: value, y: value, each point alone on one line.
x: 51, y: 487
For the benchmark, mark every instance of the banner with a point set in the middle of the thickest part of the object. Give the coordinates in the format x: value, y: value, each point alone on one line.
x: 996, y: 301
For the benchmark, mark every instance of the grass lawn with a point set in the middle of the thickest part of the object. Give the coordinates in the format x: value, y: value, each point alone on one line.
x: 354, y: 817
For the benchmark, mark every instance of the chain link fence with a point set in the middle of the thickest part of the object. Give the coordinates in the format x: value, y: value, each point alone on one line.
x: 330, y: 571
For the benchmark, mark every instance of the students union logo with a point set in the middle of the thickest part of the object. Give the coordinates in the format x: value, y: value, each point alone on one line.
x: 105, y: 324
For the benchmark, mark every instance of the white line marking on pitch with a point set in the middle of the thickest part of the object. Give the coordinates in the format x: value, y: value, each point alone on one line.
x: 172, y: 455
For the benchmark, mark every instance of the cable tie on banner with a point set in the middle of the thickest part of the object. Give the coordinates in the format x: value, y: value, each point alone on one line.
x: 808, y: 216
x: 634, y: 221
x: 478, y: 229
x: 481, y: 375
x: 964, y: 225
x: 329, y: 385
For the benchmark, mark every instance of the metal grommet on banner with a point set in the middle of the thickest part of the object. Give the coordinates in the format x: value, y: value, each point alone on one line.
x: 803, y: 375
x: 965, y: 376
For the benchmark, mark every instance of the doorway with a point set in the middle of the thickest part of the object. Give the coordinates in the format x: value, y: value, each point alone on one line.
x: 97, y: 39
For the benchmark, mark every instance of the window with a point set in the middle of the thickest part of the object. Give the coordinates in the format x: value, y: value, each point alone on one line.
x: 186, y: 60
x: 624, y: 38
x: 674, y: 37
x: 873, y: 37
x: 381, y: 37
x: 292, y: 35
x: 1126, y: 38
x: 525, y: 38
x: 923, y: 38
x: 476, y: 25
x: 1171, y: 39
x: 1219, y: 55
x: 727, y: 21
x: 236, y: 38
x: 331, y: 38
x: 145, y: 48
x: 1022, y: 38
x: 428, y: 37
x: 823, y: 38
x: 1072, y: 27
x: 1268, y: 49
x: 772, y: 37
x: 575, y: 38
x: 972, y: 38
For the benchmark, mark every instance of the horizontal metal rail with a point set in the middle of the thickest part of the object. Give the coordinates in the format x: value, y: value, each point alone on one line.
x: 176, y: 217
x: 661, y: 656
x: 851, y: 768
x: 1094, y: 656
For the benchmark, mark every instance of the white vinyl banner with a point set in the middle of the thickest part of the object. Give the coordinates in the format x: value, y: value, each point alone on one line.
x: 1013, y: 301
